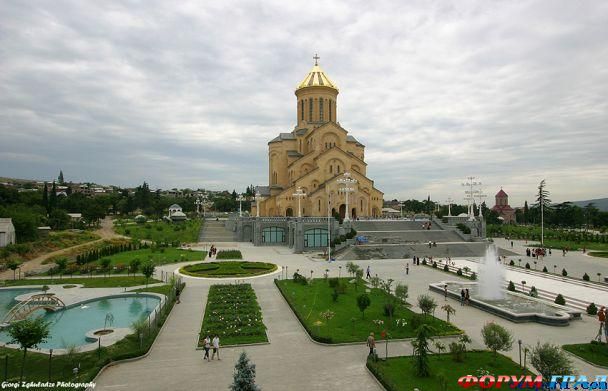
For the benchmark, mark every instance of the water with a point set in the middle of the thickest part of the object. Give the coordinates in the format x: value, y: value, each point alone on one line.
x: 491, y: 276
x: 68, y: 327
x: 7, y: 298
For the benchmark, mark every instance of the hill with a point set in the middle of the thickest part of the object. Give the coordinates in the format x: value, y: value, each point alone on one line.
x: 600, y: 203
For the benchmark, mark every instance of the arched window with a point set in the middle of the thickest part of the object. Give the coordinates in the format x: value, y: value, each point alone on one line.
x: 316, y: 237
x: 310, y: 110
x: 321, y: 109
x: 330, y: 118
x: 273, y: 235
x: 302, y: 109
x: 331, y: 169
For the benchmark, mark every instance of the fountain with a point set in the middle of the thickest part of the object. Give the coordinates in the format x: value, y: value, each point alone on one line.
x: 491, y: 276
x: 490, y: 295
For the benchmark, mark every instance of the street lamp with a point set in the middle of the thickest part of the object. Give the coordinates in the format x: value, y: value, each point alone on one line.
x: 299, y: 194
x: 258, y: 198
x: 470, y: 195
x: 240, y: 199
x: 348, y: 184
x: 198, y: 204
x: 449, y: 201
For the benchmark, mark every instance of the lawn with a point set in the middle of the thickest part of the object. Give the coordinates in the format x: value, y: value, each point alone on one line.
x: 228, y: 269
x: 594, y: 352
x: 95, y: 282
x: 229, y: 254
x: 600, y: 254
x: 397, y: 373
x: 234, y: 314
x: 572, y: 245
x: 160, y: 231
x: 37, y: 364
x: 55, y: 241
x: 347, y: 325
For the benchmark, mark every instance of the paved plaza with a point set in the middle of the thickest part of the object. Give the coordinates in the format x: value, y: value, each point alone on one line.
x: 291, y: 360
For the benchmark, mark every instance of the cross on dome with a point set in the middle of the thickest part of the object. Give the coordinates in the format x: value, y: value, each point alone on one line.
x: 316, y: 58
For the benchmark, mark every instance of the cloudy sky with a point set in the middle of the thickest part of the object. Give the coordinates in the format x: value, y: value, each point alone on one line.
x: 187, y: 94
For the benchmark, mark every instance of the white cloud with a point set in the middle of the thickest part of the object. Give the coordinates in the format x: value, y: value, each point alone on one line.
x: 188, y: 94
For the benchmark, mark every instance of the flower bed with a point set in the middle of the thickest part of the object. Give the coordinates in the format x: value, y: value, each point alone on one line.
x: 228, y: 269
x: 234, y: 314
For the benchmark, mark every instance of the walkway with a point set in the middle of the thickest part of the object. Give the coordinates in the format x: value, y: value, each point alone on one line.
x: 291, y: 361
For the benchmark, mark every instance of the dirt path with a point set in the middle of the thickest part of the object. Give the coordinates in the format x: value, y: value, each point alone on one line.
x: 105, y: 231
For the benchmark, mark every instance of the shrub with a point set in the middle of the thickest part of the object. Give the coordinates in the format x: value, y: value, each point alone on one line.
x: 533, y: 291
x: 459, y: 272
x: 511, y: 286
x: 457, y: 350
x: 333, y: 282
x: 299, y: 279
x: 389, y: 309
x: 229, y: 254
x: 564, y: 273
x: 334, y: 295
x: 586, y: 277
x: 473, y: 276
x: 545, y: 269
x: 527, y: 265
x: 363, y: 301
x: 424, y: 261
x: 559, y: 299
x: 426, y: 304
x: 434, y: 265
x: 511, y: 263
x: 463, y: 228
x: 446, y: 268
x: 591, y: 309
x: 550, y: 359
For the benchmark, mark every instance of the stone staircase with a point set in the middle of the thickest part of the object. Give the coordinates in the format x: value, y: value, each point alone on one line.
x: 215, y: 231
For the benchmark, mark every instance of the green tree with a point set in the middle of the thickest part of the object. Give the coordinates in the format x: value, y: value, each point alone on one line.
x: 421, y: 350
x: 28, y: 333
x: 496, y: 338
x: 134, y: 265
x: 426, y: 304
x: 550, y: 359
x: 58, y: 219
x: 449, y: 310
x: 105, y: 264
x: 244, y: 375
x: 402, y: 293
x: 148, y: 270
x: 61, y: 263
x: 543, y: 202
x: 363, y: 301
x: 45, y: 197
x: 53, y: 197
x: 60, y: 178
x: 13, y: 264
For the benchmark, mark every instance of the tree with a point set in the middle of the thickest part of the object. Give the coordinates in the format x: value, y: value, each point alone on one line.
x: 544, y: 203
x: 426, y: 304
x: 496, y: 338
x: 60, y: 178
x: 526, y: 212
x: 363, y: 301
x: 148, y: 270
x: 28, y: 333
x: 13, y: 265
x: 449, y: 310
x: 358, y: 277
x: 105, y: 264
x: 352, y: 268
x: 134, y: 265
x: 53, y: 197
x: 402, y: 293
x: 421, y: 350
x: 559, y: 299
x: 550, y: 359
x: 45, y: 197
x: 244, y: 375
x: 58, y: 219
x: 61, y: 263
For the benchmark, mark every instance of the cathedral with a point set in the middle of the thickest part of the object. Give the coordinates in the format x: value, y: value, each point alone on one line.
x: 308, y: 167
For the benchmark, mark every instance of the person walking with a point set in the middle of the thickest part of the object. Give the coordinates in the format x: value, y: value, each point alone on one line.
x: 178, y: 292
x: 206, y: 346
x: 407, y: 269
x: 369, y: 275
x: 216, y: 347
x: 371, y: 344
x: 462, y: 294
x: 467, y: 296
x: 445, y: 291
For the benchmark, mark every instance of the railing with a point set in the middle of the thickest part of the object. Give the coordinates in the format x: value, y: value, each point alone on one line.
x: 22, y: 310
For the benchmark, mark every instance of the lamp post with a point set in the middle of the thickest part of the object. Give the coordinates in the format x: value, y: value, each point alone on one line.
x: 329, y: 227
x: 449, y: 201
x: 240, y: 199
x: 348, y: 184
x: 258, y: 198
x: 299, y: 194
x: 198, y: 204
x: 519, y: 343
x: 481, y: 196
x: 470, y: 195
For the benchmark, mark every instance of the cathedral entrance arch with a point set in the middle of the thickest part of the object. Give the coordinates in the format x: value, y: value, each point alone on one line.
x: 289, y: 212
x: 342, y: 211
x: 375, y: 212
x: 353, y: 214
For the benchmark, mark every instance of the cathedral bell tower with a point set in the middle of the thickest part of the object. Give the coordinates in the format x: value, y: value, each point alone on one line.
x: 317, y: 96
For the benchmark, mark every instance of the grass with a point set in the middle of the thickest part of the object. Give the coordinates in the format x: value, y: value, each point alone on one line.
x: 234, y: 314
x: 95, y: 282
x: 160, y: 231
x: 37, y: 364
x: 347, y: 325
x: 600, y: 254
x: 397, y: 373
x: 228, y: 269
x: 53, y: 242
x: 594, y: 352
x: 572, y: 245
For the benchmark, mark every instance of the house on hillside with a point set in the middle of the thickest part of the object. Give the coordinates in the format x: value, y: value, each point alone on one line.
x: 7, y: 232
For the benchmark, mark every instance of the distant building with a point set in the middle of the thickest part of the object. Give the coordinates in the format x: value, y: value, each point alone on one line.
x: 7, y: 232
x: 502, y: 207
x: 174, y: 209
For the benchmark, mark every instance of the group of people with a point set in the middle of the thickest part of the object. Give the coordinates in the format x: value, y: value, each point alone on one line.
x: 212, y: 251
x: 537, y: 252
x: 465, y: 297
x: 208, y: 343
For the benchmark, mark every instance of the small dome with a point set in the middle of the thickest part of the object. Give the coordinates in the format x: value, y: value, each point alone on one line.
x: 317, y: 78
x: 178, y: 216
x: 175, y: 206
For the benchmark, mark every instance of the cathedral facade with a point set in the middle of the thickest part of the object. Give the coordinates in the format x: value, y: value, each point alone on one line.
x: 314, y: 158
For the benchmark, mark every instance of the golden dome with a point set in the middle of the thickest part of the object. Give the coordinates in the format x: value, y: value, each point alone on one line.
x: 316, y: 78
